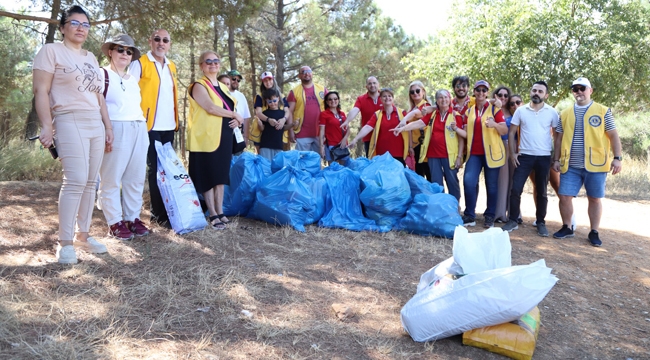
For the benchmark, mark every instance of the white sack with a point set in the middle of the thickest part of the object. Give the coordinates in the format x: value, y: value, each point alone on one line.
x: 482, y: 251
x: 476, y: 300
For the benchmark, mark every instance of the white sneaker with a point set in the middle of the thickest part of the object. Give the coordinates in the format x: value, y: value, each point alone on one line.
x: 66, y: 254
x: 91, y: 246
x: 535, y: 222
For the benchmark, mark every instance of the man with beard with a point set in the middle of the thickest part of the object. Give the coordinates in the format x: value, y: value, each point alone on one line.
x: 306, y: 101
x: 368, y: 104
x: 157, y: 80
x: 462, y: 101
x: 533, y: 122
x: 242, y: 105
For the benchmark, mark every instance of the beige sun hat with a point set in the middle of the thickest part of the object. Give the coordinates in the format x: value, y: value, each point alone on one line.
x: 122, y: 40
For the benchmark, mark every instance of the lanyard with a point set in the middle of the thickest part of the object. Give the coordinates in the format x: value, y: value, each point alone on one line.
x: 219, y: 95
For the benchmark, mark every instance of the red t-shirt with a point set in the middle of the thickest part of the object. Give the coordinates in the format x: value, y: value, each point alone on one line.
x: 438, y: 144
x: 312, y: 112
x: 386, y: 140
x: 333, y: 131
x: 477, y: 140
x: 367, y: 106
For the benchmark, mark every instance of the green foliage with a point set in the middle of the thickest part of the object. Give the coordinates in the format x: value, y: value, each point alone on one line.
x: 21, y: 160
x: 634, y: 131
x: 518, y: 42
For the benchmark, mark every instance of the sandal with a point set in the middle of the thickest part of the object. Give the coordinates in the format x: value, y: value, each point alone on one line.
x: 221, y: 216
x: 216, y: 223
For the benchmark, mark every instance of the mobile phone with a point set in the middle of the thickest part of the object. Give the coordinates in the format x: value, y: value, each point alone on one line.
x: 52, y: 148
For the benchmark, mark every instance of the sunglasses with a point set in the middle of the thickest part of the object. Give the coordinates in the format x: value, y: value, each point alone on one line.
x: 461, y: 86
x: 481, y: 89
x: 517, y: 102
x: 212, y: 61
x: 575, y: 89
x: 413, y: 92
x: 159, y: 39
x: 502, y: 95
x: 332, y: 99
x: 235, y: 79
x: 121, y: 50
x: 306, y: 72
x: 271, y: 101
x: 75, y: 23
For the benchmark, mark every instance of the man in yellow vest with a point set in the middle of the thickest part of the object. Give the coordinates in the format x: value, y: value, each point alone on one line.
x: 583, y: 138
x: 306, y: 101
x: 158, y: 88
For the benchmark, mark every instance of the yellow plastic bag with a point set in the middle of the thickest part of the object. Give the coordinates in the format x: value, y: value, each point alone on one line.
x: 515, y: 340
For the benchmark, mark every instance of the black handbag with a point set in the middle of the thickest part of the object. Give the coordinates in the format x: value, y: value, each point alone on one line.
x: 338, y: 153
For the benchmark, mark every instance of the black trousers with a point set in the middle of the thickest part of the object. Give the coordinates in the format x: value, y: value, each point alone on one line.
x: 158, y: 212
x: 527, y: 163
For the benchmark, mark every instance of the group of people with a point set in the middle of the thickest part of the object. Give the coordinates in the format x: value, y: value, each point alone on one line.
x: 105, y: 121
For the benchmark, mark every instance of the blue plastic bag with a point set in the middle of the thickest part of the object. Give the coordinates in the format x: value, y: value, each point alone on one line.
x: 285, y: 198
x: 386, y: 193
x: 302, y: 160
x: 344, y: 208
x: 246, y: 174
x: 320, y: 197
x: 432, y: 215
x: 420, y: 185
x: 358, y: 164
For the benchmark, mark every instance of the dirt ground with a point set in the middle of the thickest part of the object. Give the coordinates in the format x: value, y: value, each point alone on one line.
x: 170, y: 297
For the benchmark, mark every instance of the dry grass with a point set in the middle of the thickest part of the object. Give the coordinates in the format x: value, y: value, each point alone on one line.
x: 171, y: 297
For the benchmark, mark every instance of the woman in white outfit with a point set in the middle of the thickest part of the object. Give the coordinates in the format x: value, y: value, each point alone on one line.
x: 125, y: 166
x: 68, y: 87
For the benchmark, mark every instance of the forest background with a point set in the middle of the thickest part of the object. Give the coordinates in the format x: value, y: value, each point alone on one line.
x: 507, y: 42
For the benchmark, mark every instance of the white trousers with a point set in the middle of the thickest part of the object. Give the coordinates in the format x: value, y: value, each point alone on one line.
x: 124, y: 167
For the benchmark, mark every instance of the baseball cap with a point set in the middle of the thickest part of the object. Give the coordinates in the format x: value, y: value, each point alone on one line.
x: 581, y: 81
x: 266, y: 75
x: 232, y: 73
x: 482, y: 83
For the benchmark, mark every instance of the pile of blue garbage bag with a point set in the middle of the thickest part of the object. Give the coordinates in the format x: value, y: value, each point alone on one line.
x: 366, y: 195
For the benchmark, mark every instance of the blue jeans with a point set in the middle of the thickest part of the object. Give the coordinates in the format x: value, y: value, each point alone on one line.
x: 439, y: 168
x: 473, y: 168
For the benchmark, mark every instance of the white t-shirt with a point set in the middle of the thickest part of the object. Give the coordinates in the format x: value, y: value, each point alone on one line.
x: 242, y: 105
x: 165, y: 116
x: 123, y: 98
x: 535, y: 129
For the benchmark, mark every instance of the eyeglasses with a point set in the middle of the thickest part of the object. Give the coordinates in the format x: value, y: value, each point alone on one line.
x: 75, y: 23
x: 235, y: 79
x: 512, y: 103
x: 413, y: 92
x: 460, y: 86
x: 575, y: 89
x: 502, y: 95
x: 481, y: 89
x: 121, y: 50
x: 159, y: 39
x: 212, y: 61
x: 271, y: 101
x: 332, y: 99
x: 306, y: 72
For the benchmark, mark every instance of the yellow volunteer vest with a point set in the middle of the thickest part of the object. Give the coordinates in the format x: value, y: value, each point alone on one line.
x: 451, y: 138
x: 299, y: 110
x: 255, y: 133
x: 597, y: 145
x: 415, y: 134
x: 203, y: 129
x: 372, y: 150
x: 495, y: 151
x: 149, y: 84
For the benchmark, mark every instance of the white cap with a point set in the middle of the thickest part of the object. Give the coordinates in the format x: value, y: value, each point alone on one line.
x: 266, y: 75
x: 581, y: 81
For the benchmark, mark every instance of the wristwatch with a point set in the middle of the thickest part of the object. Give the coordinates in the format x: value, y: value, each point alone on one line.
x: 619, y: 158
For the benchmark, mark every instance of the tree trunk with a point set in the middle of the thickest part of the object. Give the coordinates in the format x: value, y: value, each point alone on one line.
x: 279, y: 46
x: 217, y: 32
x: 251, y: 54
x: 32, y: 123
x: 232, y: 55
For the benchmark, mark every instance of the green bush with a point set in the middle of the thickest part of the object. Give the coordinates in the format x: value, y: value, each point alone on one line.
x: 634, y: 131
x: 24, y: 160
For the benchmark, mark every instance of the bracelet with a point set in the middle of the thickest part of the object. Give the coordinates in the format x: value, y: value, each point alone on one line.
x: 109, y: 128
